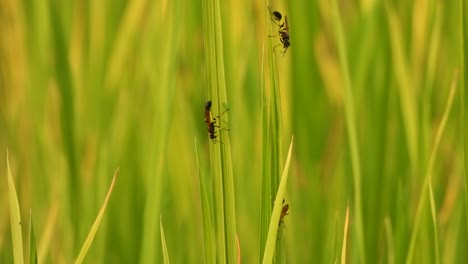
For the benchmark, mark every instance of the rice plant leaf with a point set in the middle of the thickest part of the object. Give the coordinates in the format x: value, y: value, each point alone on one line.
x: 208, y: 232
x: 350, y: 117
x: 271, y: 129
x: 275, y: 217
x: 15, y: 218
x: 404, y: 83
x: 220, y: 154
x: 97, y: 222
x: 163, y: 242
x: 345, y: 236
x: 390, y: 240
x: 32, y: 242
x: 464, y: 99
x: 428, y: 176
x: 434, y: 223
x: 266, y: 164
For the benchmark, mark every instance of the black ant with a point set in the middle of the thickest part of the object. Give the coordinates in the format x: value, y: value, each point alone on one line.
x: 283, y: 30
x: 212, y: 124
x: 284, y: 212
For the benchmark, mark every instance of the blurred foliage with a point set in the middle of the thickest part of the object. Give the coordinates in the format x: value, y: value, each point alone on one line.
x: 89, y: 86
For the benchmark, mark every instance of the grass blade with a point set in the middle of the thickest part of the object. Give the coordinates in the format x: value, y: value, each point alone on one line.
x: 464, y: 99
x: 124, y: 41
x: 345, y: 236
x: 434, y: 223
x: 275, y: 216
x: 163, y: 242
x: 220, y: 154
x: 428, y: 178
x: 15, y: 218
x: 162, y: 73
x: 265, y: 212
x: 271, y: 132
x: 390, y: 241
x: 97, y: 222
x: 352, y: 131
x: 206, y: 207
x: 67, y: 115
x: 32, y: 242
x: 406, y: 93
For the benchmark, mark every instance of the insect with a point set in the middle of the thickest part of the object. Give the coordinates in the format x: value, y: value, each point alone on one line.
x: 284, y: 212
x: 211, y: 125
x: 283, y: 30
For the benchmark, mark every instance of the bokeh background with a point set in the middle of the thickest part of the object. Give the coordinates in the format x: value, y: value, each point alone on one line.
x: 90, y: 86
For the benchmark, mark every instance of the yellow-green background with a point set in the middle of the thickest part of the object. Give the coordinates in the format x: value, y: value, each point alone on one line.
x: 89, y: 86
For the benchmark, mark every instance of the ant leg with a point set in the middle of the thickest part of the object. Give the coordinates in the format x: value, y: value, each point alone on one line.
x: 274, y: 36
x: 222, y: 128
x: 276, y: 47
x: 223, y: 112
x: 219, y: 116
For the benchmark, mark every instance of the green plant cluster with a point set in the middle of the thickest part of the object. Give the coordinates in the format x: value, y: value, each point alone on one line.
x: 353, y: 112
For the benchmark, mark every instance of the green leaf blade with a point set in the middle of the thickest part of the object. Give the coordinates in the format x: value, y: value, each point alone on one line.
x: 15, y: 218
x: 96, y: 224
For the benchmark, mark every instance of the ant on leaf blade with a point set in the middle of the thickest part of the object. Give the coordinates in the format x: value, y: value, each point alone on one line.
x: 283, y: 30
x: 211, y: 122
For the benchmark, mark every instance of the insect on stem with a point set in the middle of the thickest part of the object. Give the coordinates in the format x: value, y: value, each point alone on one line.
x: 284, y: 212
x: 283, y: 30
x: 211, y: 122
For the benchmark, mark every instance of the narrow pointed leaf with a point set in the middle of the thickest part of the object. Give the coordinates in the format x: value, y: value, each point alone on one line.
x: 97, y: 222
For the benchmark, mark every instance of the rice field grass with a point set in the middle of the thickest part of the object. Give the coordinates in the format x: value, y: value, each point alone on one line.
x: 340, y: 131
